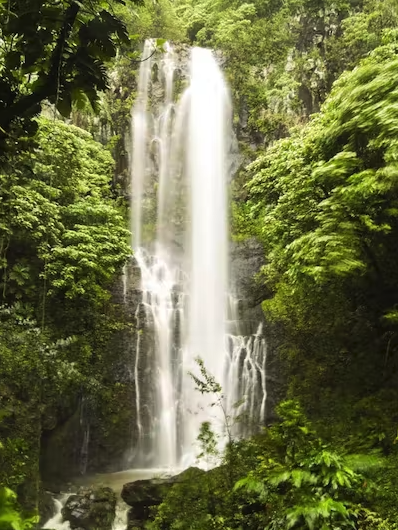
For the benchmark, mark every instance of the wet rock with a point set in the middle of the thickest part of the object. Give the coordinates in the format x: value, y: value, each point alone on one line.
x: 90, y: 510
x: 134, y: 524
x: 192, y: 473
x: 144, y: 495
x: 246, y: 259
x: 46, y: 506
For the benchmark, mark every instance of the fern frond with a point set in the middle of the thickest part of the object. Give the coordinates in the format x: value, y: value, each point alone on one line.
x: 252, y: 485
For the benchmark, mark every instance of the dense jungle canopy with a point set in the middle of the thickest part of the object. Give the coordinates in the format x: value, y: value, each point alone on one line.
x: 314, y: 85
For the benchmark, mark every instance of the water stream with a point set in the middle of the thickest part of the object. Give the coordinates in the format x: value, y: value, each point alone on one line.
x: 111, y: 480
x: 56, y: 522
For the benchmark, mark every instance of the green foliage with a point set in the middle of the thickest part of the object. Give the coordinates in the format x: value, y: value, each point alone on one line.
x: 55, y: 52
x: 153, y: 20
x: 324, y: 201
x: 34, y: 372
x: 208, y: 444
x: 368, y: 520
x: 285, y: 478
x: 301, y: 482
x: 207, y: 384
x: 57, y: 206
x: 10, y: 518
x: 361, y: 33
x: 62, y: 242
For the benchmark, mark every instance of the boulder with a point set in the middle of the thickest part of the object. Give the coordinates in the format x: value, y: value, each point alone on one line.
x: 143, y: 495
x: 91, y: 510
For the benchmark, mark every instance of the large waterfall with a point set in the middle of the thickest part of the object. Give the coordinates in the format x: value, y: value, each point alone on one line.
x: 179, y: 184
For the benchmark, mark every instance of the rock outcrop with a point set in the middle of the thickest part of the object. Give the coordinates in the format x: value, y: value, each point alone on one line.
x: 91, y: 510
x: 144, y: 495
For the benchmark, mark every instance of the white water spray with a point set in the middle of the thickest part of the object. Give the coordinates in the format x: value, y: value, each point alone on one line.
x: 57, y: 522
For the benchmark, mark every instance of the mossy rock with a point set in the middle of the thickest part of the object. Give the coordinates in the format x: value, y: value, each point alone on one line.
x: 93, y: 510
x: 143, y: 495
x: 46, y: 506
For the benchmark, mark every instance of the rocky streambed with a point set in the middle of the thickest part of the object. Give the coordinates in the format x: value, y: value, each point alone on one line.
x: 101, y: 507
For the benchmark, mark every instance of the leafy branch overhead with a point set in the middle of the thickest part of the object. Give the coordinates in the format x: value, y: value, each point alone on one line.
x: 53, y: 51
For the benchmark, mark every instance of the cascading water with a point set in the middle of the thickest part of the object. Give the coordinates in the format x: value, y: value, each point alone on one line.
x: 57, y: 521
x: 246, y: 369
x: 207, y: 245
x: 180, y: 243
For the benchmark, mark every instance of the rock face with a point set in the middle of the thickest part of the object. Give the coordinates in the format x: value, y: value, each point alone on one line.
x: 46, y: 506
x: 144, y: 495
x: 246, y: 259
x: 93, y: 510
x: 112, y: 423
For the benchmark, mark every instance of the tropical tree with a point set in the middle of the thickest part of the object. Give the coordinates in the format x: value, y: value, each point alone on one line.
x: 53, y: 51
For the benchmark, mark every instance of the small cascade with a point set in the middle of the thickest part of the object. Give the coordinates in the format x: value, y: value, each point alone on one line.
x: 56, y: 522
x: 163, y: 308
x: 245, y: 371
x: 179, y: 174
x: 121, y: 517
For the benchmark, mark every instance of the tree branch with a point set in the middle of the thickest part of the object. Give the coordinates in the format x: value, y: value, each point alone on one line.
x: 25, y: 104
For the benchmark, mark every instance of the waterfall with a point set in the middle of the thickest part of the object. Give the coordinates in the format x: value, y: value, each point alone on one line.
x: 179, y: 176
x: 207, y: 243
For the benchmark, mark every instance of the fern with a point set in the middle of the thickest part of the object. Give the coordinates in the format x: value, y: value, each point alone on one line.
x: 253, y: 486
